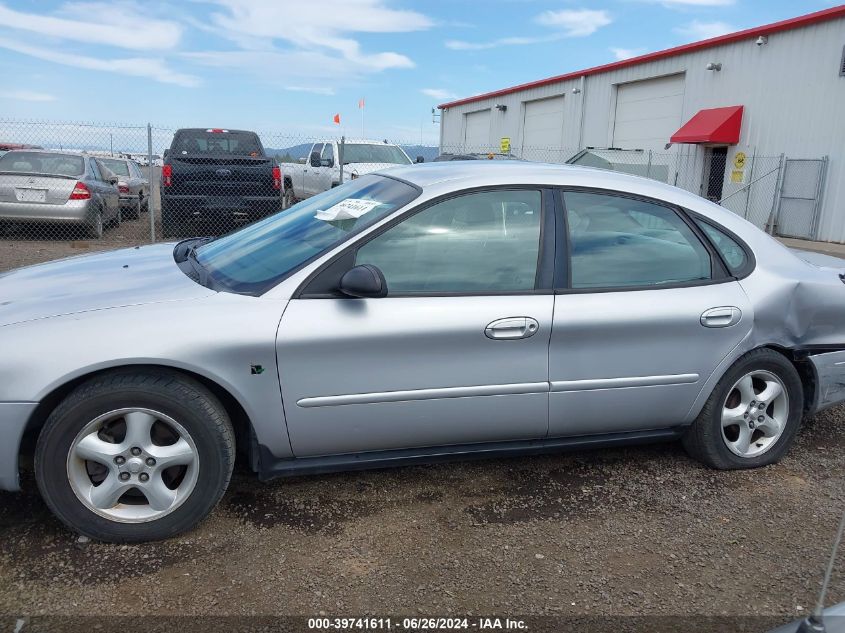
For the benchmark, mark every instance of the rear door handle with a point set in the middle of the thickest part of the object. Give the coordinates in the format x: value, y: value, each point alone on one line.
x: 512, y: 328
x: 724, y: 316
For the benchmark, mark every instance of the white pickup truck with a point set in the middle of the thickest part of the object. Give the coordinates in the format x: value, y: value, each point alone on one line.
x: 321, y: 169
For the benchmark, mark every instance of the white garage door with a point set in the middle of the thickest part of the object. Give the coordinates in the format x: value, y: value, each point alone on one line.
x: 477, y: 131
x: 648, y: 112
x: 542, y: 129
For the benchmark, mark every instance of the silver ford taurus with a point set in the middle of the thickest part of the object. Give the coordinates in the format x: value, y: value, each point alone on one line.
x: 428, y: 312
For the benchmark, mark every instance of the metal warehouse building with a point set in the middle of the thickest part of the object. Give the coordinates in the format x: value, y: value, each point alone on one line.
x: 753, y: 119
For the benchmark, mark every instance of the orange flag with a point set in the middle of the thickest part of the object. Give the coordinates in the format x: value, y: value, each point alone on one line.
x: 336, y: 119
x: 361, y: 103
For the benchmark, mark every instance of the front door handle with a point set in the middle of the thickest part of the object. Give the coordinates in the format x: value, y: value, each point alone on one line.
x: 724, y: 316
x: 512, y: 328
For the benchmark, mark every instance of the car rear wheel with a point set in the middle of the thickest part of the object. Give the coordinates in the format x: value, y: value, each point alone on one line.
x: 135, y: 213
x: 95, y: 228
x: 135, y: 456
x: 752, y: 416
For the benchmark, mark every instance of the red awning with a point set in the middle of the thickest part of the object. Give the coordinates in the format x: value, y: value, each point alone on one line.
x: 715, y: 125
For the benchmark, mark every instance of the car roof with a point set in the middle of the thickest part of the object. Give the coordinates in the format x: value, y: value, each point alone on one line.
x: 447, y: 176
x: 49, y: 151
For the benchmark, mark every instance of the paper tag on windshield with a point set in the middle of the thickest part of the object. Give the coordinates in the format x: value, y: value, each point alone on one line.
x: 349, y: 209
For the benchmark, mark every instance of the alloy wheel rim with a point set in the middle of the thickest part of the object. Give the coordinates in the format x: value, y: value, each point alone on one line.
x: 754, y: 414
x: 133, y: 465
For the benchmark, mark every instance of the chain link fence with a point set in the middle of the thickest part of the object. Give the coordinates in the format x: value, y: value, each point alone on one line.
x: 66, y: 186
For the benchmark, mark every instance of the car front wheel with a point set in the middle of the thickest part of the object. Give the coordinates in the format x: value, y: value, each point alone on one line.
x: 752, y: 416
x: 135, y: 456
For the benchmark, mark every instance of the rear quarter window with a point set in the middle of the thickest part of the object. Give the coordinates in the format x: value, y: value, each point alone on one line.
x: 731, y: 251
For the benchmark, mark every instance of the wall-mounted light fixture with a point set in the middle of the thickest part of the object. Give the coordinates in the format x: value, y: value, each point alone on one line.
x: 717, y: 66
x: 501, y: 107
x: 576, y: 91
x: 763, y: 39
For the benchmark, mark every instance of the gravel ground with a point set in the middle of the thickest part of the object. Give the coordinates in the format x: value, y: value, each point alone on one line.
x: 635, y: 531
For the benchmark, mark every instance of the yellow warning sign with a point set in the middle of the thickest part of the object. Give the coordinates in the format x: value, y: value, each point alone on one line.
x: 739, y: 160
x: 738, y: 176
x: 505, y: 146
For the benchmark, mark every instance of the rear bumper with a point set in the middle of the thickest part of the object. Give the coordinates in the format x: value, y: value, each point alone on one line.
x: 217, y: 206
x: 13, y: 419
x: 830, y: 379
x: 70, y: 211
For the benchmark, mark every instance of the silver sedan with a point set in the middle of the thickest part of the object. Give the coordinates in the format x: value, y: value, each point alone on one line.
x: 57, y: 187
x: 429, y: 312
x: 132, y: 185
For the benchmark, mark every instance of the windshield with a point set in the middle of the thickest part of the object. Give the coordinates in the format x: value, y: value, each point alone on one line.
x: 119, y: 167
x: 41, y: 163
x: 254, y: 259
x: 371, y: 153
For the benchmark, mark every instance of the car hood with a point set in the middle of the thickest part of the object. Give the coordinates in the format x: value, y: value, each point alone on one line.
x: 126, y: 277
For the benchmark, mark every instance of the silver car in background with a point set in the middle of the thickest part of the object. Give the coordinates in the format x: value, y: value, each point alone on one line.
x: 132, y: 185
x: 447, y: 310
x: 57, y: 187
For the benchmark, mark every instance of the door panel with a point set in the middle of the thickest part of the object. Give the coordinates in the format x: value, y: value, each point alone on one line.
x: 428, y: 347
x: 653, y: 339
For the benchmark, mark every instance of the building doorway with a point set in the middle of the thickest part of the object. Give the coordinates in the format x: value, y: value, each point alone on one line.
x: 715, y: 161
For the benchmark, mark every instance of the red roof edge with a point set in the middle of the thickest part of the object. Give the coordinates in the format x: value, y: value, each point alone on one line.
x: 776, y: 27
x: 712, y: 125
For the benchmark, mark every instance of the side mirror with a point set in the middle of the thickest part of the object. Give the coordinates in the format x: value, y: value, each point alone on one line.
x: 165, y: 153
x: 315, y: 159
x: 365, y: 281
x: 420, y: 159
x: 326, y: 162
x: 113, y: 180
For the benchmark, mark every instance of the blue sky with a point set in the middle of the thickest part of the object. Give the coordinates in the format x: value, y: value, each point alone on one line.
x: 289, y: 65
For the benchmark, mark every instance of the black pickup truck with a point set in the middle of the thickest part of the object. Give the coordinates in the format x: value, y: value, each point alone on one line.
x: 217, y: 177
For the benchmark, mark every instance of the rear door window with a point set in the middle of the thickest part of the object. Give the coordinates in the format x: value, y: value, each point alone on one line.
x: 620, y: 242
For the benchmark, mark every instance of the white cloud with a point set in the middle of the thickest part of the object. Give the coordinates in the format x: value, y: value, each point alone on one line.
x: 119, y: 24
x: 148, y: 67
x: 626, y: 53
x: 575, y: 22
x: 323, y: 27
x: 697, y: 30
x: 438, y: 93
x: 26, y: 95
x: 566, y: 23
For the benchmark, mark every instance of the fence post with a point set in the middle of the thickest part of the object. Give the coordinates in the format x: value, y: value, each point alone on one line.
x: 151, y: 195
x: 648, y: 169
x: 774, y: 215
x: 340, y: 157
x: 750, y: 180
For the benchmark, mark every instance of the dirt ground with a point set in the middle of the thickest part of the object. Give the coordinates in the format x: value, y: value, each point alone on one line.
x: 634, y: 531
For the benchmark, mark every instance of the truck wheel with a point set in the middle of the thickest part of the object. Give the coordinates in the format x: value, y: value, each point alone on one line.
x: 136, y: 455
x: 752, y: 416
x: 170, y: 224
x: 289, y: 200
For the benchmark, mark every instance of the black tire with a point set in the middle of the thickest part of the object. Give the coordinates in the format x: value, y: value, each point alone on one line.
x: 175, y: 395
x: 134, y: 212
x: 704, y: 441
x: 171, y: 224
x: 96, y: 227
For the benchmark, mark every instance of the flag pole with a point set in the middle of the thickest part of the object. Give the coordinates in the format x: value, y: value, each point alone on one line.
x: 363, y: 104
